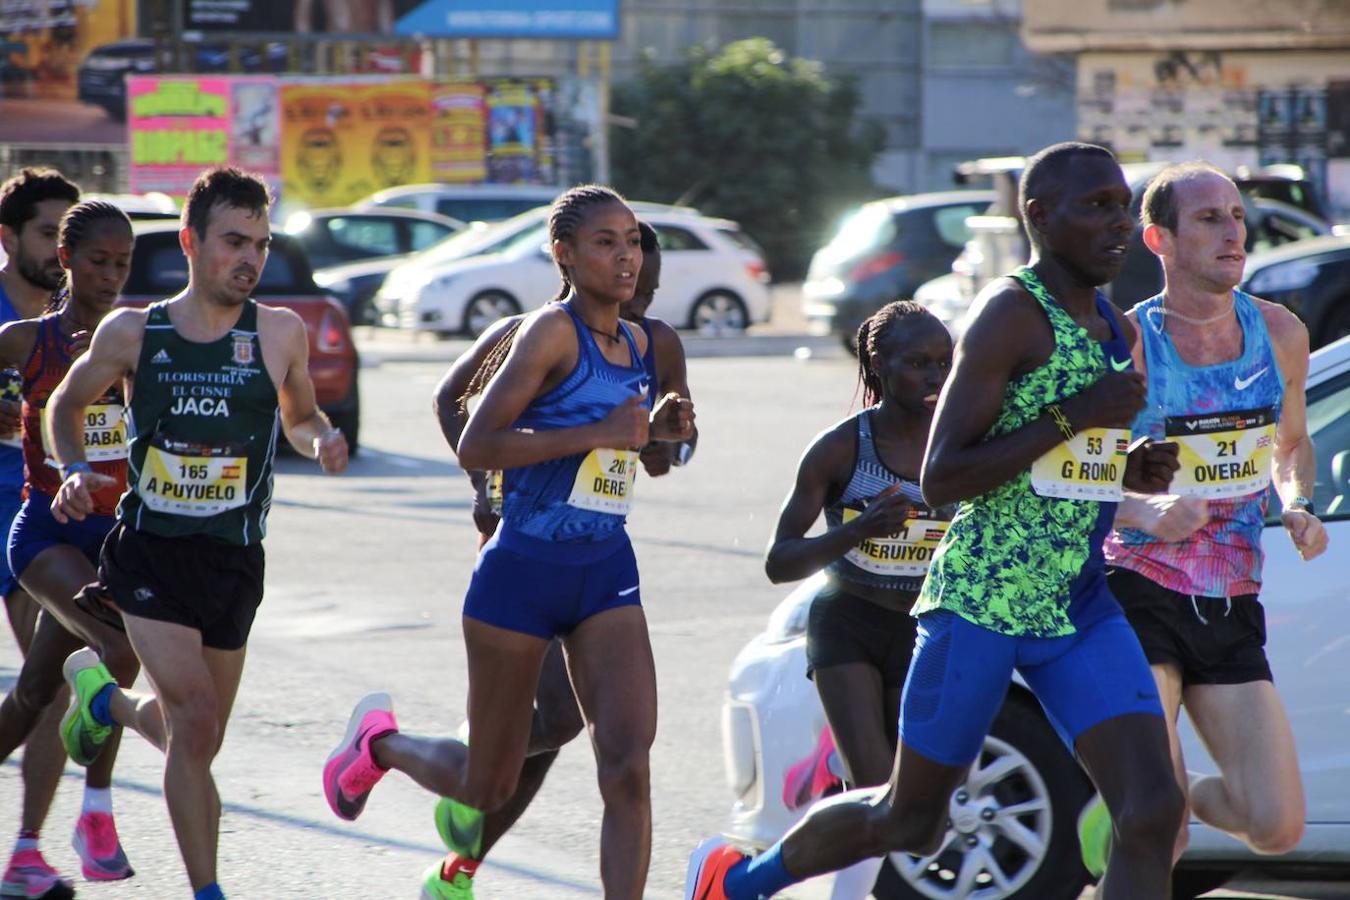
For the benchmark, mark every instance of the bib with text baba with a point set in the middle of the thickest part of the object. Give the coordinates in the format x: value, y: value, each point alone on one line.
x: 105, y: 433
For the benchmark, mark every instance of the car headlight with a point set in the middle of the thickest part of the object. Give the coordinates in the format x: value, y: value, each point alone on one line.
x: 1290, y: 276
x: 788, y: 620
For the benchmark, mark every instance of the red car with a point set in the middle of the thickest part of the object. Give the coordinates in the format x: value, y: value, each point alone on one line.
x: 159, y: 270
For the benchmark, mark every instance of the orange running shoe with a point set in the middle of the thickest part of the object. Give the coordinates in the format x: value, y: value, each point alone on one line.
x: 708, y: 867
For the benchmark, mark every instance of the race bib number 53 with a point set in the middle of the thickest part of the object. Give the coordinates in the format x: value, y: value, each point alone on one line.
x: 192, y: 485
x: 1090, y: 467
x: 1223, y: 455
x: 605, y: 481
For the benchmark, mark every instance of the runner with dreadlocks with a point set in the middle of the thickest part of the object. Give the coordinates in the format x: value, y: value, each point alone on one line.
x: 564, y: 417
x: 879, y: 535
x: 557, y: 720
x: 53, y: 561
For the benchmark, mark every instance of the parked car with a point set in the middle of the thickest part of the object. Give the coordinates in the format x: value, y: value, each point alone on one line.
x: 152, y: 205
x: 1312, y: 278
x: 1012, y: 833
x: 883, y: 252
x: 353, y: 250
x: 101, y: 79
x: 713, y: 278
x: 468, y: 202
x: 332, y: 237
x: 159, y: 270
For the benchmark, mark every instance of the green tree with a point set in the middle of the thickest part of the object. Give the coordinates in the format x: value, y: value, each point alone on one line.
x: 747, y: 133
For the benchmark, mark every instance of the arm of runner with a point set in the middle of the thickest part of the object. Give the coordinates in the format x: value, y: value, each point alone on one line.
x: 1165, y: 516
x: 960, y: 463
x: 16, y: 344
x: 672, y: 376
x: 112, y: 354
x: 792, y: 555
x: 1293, y: 463
x: 1151, y: 464
x: 306, y: 427
x: 545, y: 343
x: 446, y: 401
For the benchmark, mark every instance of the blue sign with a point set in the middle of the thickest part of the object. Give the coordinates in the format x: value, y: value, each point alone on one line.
x: 559, y: 19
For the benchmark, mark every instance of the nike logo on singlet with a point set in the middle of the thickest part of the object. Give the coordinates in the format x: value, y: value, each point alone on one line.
x: 630, y: 590
x: 1120, y: 366
x: 1243, y: 383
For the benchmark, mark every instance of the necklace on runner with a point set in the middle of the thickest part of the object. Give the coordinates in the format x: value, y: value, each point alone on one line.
x: 1190, y: 321
x: 613, y: 338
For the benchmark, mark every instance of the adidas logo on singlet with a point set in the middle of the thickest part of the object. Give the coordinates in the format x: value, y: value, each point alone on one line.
x: 161, y: 357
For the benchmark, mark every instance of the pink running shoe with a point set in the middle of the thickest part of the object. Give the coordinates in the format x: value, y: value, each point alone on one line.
x: 100, y: 850
x: 351, y: 771
x: 811, y: 778
x: 29, y: 876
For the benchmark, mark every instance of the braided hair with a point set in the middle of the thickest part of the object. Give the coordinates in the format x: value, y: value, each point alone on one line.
x: 568, y: 213
x: 566, y: 216
x: 870, y: 334
x: 76, y: 225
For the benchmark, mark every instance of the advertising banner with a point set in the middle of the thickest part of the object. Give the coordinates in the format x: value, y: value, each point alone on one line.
x: 342, y: 141
x: 519, y: 128
x: 557, y: 19
x: 458, y: 135
x: 43, y: 45
x: 179, y: 125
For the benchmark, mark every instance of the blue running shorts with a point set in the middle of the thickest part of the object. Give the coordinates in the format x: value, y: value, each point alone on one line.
x: 544, y: 588
x: 35, y: 530
x: 961, y: 672
x: 11, y: 499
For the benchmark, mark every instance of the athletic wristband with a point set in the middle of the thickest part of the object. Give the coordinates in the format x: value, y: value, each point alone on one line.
x: 71, y: 468
x: 1061, y: 421
x: 1303, y: 503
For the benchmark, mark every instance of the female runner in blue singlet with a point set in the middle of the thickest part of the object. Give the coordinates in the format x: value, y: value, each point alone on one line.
x: 564, y: 415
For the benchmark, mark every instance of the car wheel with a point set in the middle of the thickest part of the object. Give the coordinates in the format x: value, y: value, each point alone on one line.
x: 1013, y: 832
x: 718, y: 312
x: 1188, y: 884
x: 485, y: 308
x: 348, y: 418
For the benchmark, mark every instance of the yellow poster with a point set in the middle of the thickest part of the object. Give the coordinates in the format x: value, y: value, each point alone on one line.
x: 341, y: 141
x: 43, y: 44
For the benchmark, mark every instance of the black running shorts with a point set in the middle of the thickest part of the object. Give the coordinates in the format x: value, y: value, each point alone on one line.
x: 1212, y: 640
x: 194, y: 581
x: 844, y: 628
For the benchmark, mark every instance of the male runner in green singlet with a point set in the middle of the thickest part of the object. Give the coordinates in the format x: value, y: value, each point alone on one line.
x: 214, y: 378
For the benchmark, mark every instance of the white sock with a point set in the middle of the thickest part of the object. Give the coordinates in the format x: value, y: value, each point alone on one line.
x: 97, y: 800
x: 25, y: 843
x: 856, y: 882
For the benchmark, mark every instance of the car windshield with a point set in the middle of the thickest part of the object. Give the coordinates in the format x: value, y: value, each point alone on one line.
x: 532, y: 240
x: 866, y: 229
x: 479, y: 238
x: 483, y: 209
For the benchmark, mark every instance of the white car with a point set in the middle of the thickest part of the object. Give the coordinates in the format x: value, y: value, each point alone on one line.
x: 465, y: 202
x: 1013, y: 824
x: 713, y: 277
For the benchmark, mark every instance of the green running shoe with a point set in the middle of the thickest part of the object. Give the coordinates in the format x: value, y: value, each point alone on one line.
x: 435, y: 887
x: 1094, y: 836
x: 83, y: 736
x: 460, y: 828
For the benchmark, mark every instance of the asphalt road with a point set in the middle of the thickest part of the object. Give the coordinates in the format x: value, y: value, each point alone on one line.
x: 365, y: 577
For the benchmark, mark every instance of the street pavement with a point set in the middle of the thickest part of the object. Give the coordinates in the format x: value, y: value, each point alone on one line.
x: 364, y: 583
